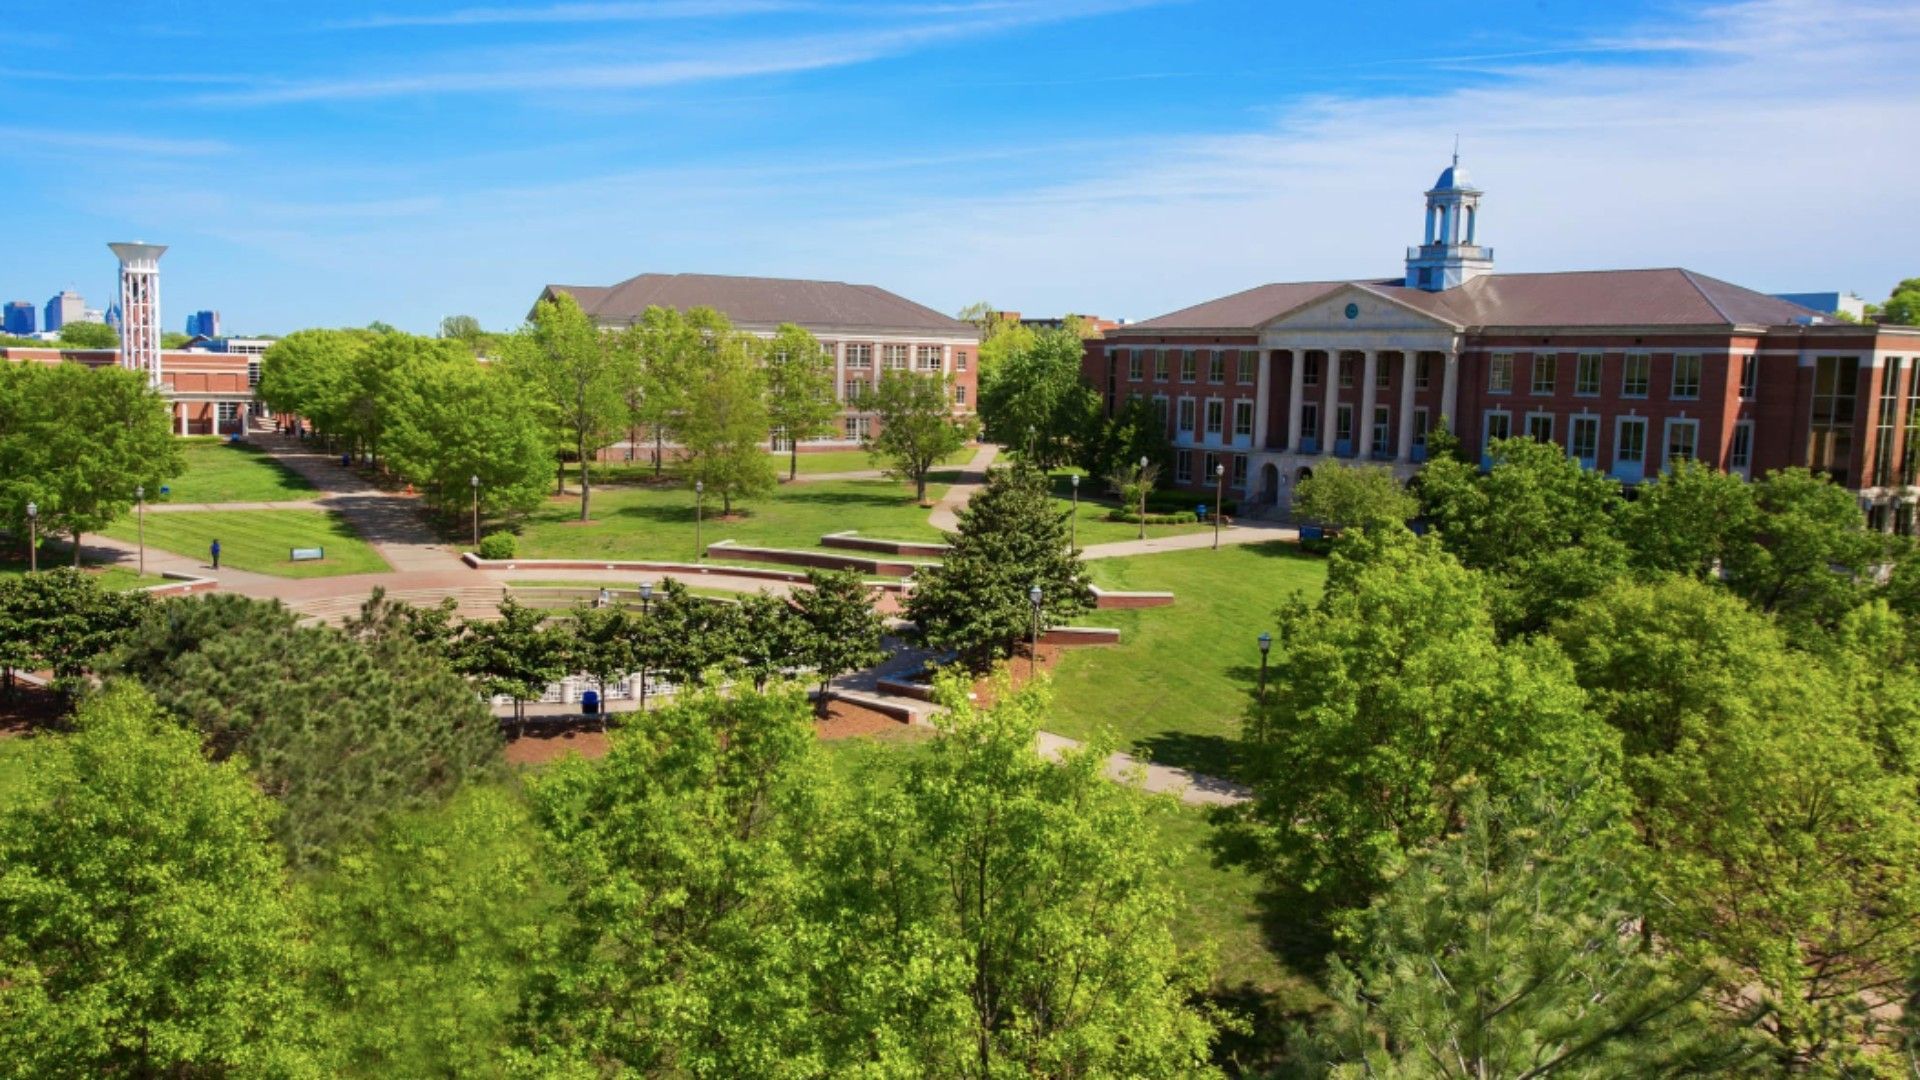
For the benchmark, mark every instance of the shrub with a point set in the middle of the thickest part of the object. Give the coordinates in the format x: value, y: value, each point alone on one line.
x: 1184, y: 517
x: 497, y: 545
x: 1177, y: 499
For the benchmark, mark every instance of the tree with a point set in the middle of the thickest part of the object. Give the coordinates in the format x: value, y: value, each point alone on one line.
x: 1136, y: 430
x: 1354, y: 496
x: 724, y: 428
x: 1810, y: 559
x: 63, y: 621
x: 460, y: 419
x: 88, y: 335
x: 145, y: 928
x: 339, y: 732
x: 1011, y: 538
x: 999, y: 915
x: 1132, y: 483
x: 77, y: 441
x: 1687, y: 520
x: 309, y: 373
x: 174, y: 339
x: 666, y: 351
x: 684, y: 859
x: 460, y: 328
x: 602, y: 642
x: 578, y: 372
x: 768, y: 637
x: 1541, y: 524
x: 917, y: 427
x: 1498, y: 952
x: 689, y: 636
x: 516, y: 655
x: 1386, y: 696
x: 1000, y: 336
x: 842, y: 631
x: 1782, y: 838
x: 1902, y: 307
x: 1033, y: 398
x: 799, y: 376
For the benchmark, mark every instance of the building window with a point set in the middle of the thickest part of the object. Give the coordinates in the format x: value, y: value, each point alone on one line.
x: 856, y: 389
x: 1347, y: 363
x: 1583, y: 439
x: 1543, y: 372
x: 1499, y: 425
x: 1382, y: 377
x: 1187, y: 366
x: 1830, y: 440
x: 1207, y: 465
x: 1183, y: 466
x: 253, y: 374
x: 1683, y: 441
x: 859, y: 357
x: 1343, y: 424
x: 894, y: 357
x: 1382, y: 424
x: 1160, y: 410
x: 1186, y: 416
x: 1243, y: 419
x: 1686, y: 376
x: 228, y: 410
x: 959, y: 359
x: 1500, y: 374
x: 1749, y: 377
x: 1740, y: 451
x: 1884, y: 428
x: 1217, y: 367
x: 1630, y: 440
x: 1240, y: 471
x: 1540, y: 427
x: 1249, y: 359
x: 859, y: 427
x: 1421, y: 424
x: 959, y: 394
x: 1633, y: 375
x: 1586, y: 375
x: 930, y: 358
x: 1310, y: 420
x: 1910, y: 468
x: 1136, y: 365
x: 1159, y: 365
x: 1216, y: 417
x: 1422, y: 371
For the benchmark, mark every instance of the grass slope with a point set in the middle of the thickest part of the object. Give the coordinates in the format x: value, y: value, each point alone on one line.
x: 112, y: 578
x: 1176, y: 685
x: 258, y: 540
x: 218, y: 472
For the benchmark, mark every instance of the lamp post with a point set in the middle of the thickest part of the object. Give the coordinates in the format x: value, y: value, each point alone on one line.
x: 646, y: 607
x: 140, y: 516
x: 475, y: 481
x: 33, y: 539
x: 1033, y: 651
x: 1219, y: 493
x: 1073, y: 522
x: 1033, y: 438
x: 699, y: 499
x: 1266, y: 643
x: 1143, y: 496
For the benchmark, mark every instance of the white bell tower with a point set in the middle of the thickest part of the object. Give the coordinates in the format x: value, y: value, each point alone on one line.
x: 1451, y: 255
x: 140, y: 307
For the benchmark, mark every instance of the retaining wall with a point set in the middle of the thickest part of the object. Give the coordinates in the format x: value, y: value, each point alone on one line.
x: 918, y: 548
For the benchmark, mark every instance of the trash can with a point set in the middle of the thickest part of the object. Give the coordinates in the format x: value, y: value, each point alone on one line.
x: 590, y: 703
x: 346, y: 461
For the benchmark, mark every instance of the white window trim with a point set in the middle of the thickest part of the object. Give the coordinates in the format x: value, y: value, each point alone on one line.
x: 1573, y: 423
x: 1599, y: 376
x: 1534, y: 414
x: 1206, y: 417
x: 1666, y: 440
x: 1621, y: 422
x: 1180, y: 407
x: 1699, y: 378
x: 1242, y: 405
x: 1486, y: 427
x: 1627, y: 359
x: 1493, y: 364
x: 1744, y: 469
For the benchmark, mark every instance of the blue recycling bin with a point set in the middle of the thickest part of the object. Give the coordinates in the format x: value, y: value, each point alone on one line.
x: 590, y: 703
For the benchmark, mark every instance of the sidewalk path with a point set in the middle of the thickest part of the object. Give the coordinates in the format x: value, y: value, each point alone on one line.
x: 391, y: 522
x: 1251, y: 532
x: 946, y: 512
x: 1194, y: 789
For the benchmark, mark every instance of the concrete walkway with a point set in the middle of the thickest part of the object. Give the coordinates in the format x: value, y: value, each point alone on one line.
x: 973, y: 475
x: 1193, y: 788
x: 1251, y: 532
x: 393, y: 523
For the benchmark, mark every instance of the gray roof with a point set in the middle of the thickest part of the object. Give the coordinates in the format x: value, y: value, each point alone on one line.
x: 760, y: 301
x: 1598, y: 298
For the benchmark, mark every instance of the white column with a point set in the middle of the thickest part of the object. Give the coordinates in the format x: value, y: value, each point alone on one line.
x: 1450, y: 392
x: 180, y: 408
x: 1363, y: 430
x: 1403, y: 449
x: 1261, y: 359
x: 1297, y: 386
x: 1331, y: 376
x: 840, y: 371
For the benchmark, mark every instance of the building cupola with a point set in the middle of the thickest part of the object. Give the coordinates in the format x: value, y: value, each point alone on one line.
x: 1450, y: 255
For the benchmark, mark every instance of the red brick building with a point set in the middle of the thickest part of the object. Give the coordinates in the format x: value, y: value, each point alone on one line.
x: 1629, y: 370
x: 210, y: 393
x: 868, y: 330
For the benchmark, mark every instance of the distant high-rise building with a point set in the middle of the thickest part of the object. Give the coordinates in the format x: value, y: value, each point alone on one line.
x: 204, y: 324
x: 19, y: 318
x: 65, y: 307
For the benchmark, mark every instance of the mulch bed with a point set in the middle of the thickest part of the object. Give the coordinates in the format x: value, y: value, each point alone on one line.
x: 544, y: 744
x: 1017, y: 667
x: 846, y: 720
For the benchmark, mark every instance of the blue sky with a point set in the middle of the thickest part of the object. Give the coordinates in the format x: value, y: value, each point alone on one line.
x: 335, y: 163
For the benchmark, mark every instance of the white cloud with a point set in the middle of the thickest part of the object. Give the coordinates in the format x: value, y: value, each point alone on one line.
x: 109, y: 142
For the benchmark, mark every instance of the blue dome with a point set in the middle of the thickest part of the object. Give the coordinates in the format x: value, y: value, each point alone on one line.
x: 1453, y: 179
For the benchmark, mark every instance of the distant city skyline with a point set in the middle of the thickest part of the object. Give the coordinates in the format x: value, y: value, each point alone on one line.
x: 403, y: 160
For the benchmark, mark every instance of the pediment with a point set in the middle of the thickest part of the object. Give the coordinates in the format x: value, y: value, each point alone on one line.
x: 1355, y: 308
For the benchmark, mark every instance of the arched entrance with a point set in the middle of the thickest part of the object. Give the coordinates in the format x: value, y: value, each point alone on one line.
x: 1270, y: 483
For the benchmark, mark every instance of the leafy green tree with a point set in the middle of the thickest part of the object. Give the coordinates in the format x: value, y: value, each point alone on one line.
x: 602, y: 642
x: 62, y: 620
x: 1012, y: 538
x: 1902, y: 306
x: 1538, y: 522
x: 841, y: 629
x: 1132, y: 483
x: 799, y: 377
x: 458, y: 420
x: 999, y: 915
x: 1134, y: 431
x: 1000, y: 337
x: 425, y: 938
x: 723, y: 431
x: 683, y: 856
x: 917, y: 427
x: 174, y: 339
x: 77, y: 441
x: 145, y: 928
x: 1386, y: 696
x: 309, y: 373
x: 88, y: 335
x: 517, y: 655
x: 382, y: 619
x: 666, y: 350
x: 1810, y: 559
x: 1782, y: 840
x: 1498, y: 952
x: 581, y: 377
x: 460, y: 328
x: 1354, y: 496
x: 768, y: 637
x: 338, y: 732
x: 1033, y: 398
x: 1687, y: 520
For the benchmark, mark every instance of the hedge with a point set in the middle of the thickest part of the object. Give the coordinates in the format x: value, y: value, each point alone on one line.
x: 1184, y: 517
x: 497, y: 545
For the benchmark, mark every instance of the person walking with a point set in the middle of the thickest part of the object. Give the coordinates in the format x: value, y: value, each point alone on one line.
x: 216, y: 554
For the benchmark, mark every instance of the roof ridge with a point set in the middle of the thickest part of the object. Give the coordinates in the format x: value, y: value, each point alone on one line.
x: 1694, y: 280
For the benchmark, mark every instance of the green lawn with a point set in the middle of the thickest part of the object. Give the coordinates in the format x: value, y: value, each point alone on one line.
x: 836, y: 461
x: 258, y: 540
x: 657, y: 521
x: 1180, y: 679
x: 219, y: 472
x: 112, y: 578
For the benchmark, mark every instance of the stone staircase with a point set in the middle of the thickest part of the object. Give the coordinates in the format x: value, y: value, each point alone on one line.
x: 475, y: 602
